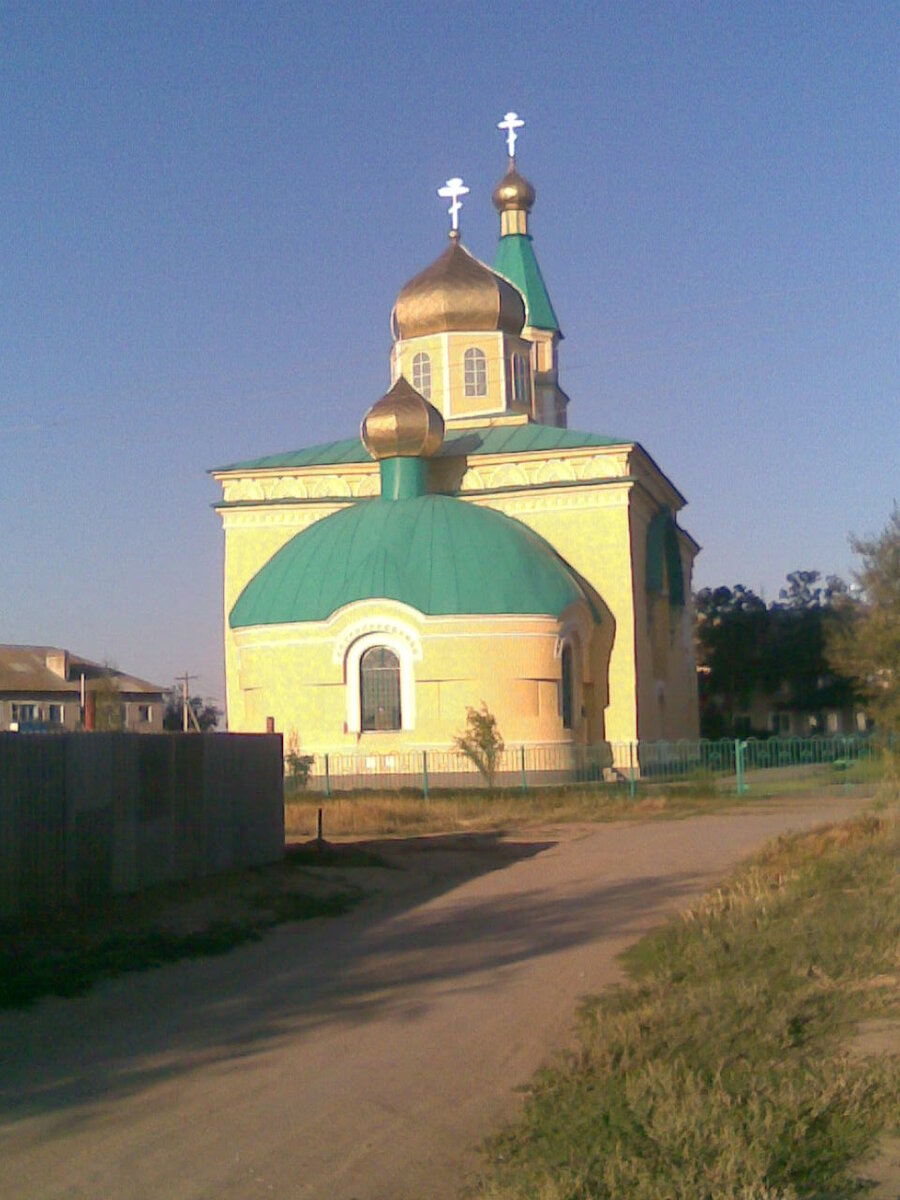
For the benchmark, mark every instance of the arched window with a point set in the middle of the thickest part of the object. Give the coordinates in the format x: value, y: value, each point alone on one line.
x: 475, y: 372
x: 379, y: 689
x: 421, y: 379
x: 568, y: 686
x: 521, y: 390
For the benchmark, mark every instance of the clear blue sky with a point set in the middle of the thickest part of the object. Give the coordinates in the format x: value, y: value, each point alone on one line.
x: 208, y: 209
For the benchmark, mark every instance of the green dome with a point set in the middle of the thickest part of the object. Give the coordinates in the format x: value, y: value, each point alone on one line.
x: 438, y: 555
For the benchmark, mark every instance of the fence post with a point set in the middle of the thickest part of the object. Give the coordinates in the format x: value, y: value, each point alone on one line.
x: 739, y: 766
x: 524, y: 776
x: 425, y: 773
x: 631, y: 783
x: 327, y: 778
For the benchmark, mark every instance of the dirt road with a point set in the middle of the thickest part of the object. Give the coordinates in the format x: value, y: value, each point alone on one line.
x: 357, y: 1058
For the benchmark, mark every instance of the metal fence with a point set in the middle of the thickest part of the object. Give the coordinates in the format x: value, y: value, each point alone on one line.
x: 741, y: 765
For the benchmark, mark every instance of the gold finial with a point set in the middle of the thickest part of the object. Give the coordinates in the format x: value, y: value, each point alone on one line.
x: 402, y: 424
x: 513, y: 193
x: 513, y: 196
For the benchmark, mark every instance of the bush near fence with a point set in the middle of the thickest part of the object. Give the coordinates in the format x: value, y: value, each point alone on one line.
x: 725, y: 763
x: 83, y: 815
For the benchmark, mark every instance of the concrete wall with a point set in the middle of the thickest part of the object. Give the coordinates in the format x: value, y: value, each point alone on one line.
x: 87, y: 815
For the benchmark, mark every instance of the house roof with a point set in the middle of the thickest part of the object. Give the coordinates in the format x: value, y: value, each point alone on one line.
x: 439, y: 555
x: 26, y: 669
x: 494, y: 439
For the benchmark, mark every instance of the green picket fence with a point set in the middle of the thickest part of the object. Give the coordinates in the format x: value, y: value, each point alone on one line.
x: 743, y: 765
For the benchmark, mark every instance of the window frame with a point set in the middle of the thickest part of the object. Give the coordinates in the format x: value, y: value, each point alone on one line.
x: 521, y: 388
x: 475, y: 380
x: 567, y: 685
x: 401, y: 647
x: 421, y: 367
x: 380, y: 695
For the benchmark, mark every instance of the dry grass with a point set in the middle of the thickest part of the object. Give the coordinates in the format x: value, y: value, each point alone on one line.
x: 725, y: 1071
x: 367, y: 814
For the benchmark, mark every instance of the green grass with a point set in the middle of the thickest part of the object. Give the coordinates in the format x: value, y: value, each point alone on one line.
x: 722, y: 1072
x: 67, y: 952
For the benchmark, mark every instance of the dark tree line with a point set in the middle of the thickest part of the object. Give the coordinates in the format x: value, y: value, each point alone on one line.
x: 746, y: 647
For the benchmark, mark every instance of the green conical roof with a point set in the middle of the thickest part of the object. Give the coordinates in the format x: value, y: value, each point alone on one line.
x: 516, y: 262
x: 439, y: 555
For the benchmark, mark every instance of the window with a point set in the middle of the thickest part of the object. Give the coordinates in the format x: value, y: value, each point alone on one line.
x: 521, y: 390
x: 24, y: 712
x: 56, y: 714
x: 379, y: 688
x: 145, y: 713
x: 568, y: 686
x: 475, y: 372
x: 421, y: 379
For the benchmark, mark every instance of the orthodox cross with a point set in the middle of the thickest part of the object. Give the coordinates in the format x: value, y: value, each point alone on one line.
x: 452, y: 190
x: 511, y: 122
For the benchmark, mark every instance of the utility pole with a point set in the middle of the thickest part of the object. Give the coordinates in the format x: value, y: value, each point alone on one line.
x: 187, y: 712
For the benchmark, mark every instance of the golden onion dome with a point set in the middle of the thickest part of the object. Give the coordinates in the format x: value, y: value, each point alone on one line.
x: 513, y: 193
x: 402, y: 424
x: 457, y: 293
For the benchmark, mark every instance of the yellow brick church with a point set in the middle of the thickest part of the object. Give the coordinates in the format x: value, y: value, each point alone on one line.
x: 468, y: 547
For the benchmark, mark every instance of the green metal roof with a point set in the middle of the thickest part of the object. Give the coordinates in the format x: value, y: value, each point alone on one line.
x: 439, y: 555
x: 515, y: 261
x: 495, y: 439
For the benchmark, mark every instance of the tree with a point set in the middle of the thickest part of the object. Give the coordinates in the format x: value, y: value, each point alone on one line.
x: 481, y: 743
x: 731, y: 629
x: 206, y: 714
x: 106, y: 697
x: 745, y: 646
x: 298, y: 765
x: 864, y: 642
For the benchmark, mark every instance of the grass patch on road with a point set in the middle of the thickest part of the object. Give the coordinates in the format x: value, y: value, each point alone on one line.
x: 67, y: 952
x: 726, y: 1069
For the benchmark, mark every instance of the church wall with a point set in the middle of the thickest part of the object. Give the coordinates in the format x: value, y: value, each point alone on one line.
x: 667, y: 688
x: 297, y: 674
x: 597, y: 520
x: 685, y: 668
x: 446, y: 351
x: 589, y: 527
x: 252, y: 536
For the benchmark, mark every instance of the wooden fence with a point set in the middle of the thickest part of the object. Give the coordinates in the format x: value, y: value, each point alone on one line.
x: 84, y: 815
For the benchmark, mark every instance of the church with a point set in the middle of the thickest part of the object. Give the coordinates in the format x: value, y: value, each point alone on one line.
x: 469, y: 547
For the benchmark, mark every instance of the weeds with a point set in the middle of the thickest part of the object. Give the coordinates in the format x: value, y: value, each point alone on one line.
x: 722, y: 1072
x: 369, y: 813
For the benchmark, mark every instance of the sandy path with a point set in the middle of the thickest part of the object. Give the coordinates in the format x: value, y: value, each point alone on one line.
x: 361, y: 1058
